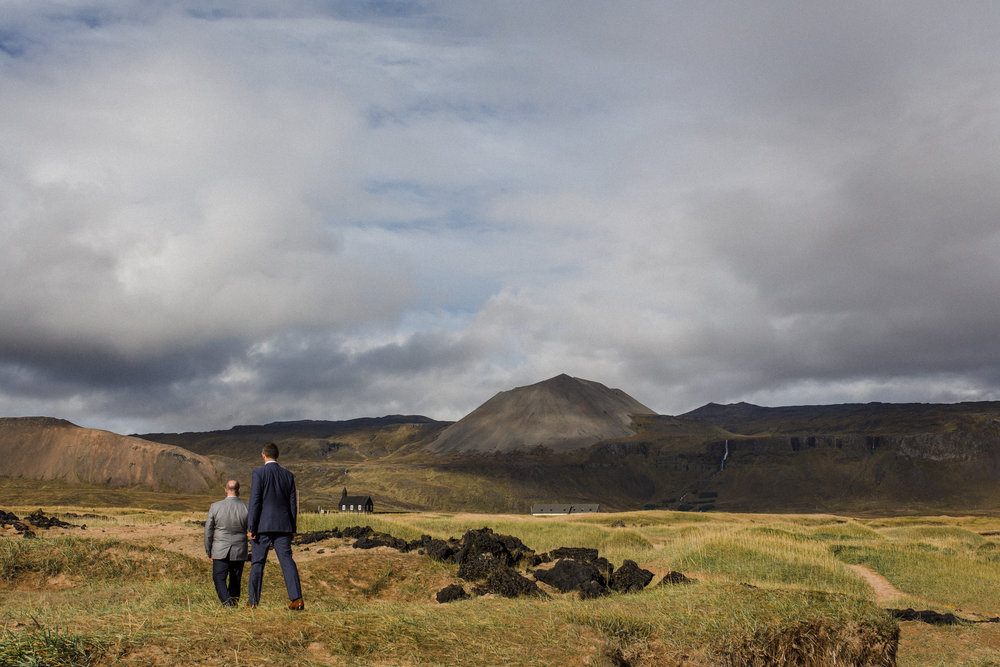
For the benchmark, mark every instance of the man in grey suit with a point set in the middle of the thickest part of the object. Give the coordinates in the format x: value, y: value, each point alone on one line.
x: 226, y: 543
x: 273, y: 511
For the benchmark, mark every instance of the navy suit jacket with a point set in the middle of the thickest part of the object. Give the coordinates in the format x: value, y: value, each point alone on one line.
x: 272, y: 500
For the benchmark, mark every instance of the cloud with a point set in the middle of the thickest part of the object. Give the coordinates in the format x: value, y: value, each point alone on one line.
x: 329, y: 210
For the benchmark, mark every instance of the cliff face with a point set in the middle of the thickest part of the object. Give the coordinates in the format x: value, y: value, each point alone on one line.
x: 927, y: 447
x: 54, y: 449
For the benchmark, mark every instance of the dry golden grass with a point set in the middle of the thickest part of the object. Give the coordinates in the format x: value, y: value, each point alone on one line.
x: 771, y: 588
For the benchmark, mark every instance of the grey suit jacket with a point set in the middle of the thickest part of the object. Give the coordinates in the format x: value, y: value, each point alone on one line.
x: 226, y: 530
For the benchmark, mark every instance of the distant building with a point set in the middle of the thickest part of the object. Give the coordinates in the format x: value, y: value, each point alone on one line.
x: 556, y: 509
x: 356, y: 503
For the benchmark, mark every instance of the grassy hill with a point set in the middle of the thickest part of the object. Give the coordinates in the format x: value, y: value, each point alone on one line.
x: 43, y: 448
x: 872, y: 458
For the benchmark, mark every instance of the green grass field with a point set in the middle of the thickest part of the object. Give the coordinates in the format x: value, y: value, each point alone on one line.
x: 771, y: 589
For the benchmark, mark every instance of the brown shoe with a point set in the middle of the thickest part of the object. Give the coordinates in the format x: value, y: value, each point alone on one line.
x: 297, y: 605
x: 250, y: 605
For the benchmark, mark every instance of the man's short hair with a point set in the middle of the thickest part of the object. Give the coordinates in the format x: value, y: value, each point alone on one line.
x: 233, y: 485
x: 271, y: 450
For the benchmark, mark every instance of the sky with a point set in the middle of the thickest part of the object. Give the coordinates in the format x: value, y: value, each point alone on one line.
x: 234, y: 212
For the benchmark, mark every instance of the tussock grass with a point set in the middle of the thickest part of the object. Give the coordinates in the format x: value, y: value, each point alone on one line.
x: 953, y: 538
x: 771, y: 589
x: 845, y: 530
x: 93, y: 558
x: 624, y: 543
x: 49, y: 647
x: 112, y: 516
x: 771, y: 559
x: 958, y: 580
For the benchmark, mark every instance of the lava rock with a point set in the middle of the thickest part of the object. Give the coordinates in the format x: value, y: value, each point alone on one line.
x: 39, y: 520
x: 382, y: 540
x: 318, y: 535
x: 24, y: 529
x: 630, y: 578
x: 479, y: 567
x: 507, y: 548
x: 356, y: 532
x: 571, y: 575
x: 504, y: 581
x: 451, y: 593
x: 439, y: 550
x: 576, y: 553
x: 673, y: 577
x: 593, y: 589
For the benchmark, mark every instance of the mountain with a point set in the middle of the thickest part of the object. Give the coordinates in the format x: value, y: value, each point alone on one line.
x: 576, y: 441
x: 44, y: 448
x: 561, y: 414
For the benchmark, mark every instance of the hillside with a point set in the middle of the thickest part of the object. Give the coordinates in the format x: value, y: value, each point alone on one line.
x: 358, y: 439
x: 874, y: 457
x: 508, y: 454
x: 42, y: 448
x: 849, y: 418
x: 561, y: 414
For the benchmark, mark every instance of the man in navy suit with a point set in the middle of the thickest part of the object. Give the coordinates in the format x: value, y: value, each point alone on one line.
x: 271, y: 523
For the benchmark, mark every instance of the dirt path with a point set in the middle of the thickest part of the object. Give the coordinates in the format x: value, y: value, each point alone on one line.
x: 884, y: 590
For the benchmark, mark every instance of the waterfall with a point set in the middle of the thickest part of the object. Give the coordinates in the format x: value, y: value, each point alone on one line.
x: 725, y: 455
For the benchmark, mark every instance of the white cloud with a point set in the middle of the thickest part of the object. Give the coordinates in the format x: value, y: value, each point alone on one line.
x: 294, y: 211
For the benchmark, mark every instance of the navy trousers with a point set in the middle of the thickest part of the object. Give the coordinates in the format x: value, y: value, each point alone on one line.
x: 223, y: 570
x: 282, y: 544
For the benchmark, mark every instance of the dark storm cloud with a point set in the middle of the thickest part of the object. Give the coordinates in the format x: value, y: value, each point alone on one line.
x: 264, y: 211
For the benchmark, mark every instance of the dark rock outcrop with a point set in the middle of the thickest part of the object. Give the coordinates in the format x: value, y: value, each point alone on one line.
x: 504, y: 581
x: 593, y: 589
x: 491, y: 560
x: 356, y: 532
x: 508, y: 549
x: 629, y: 578
x: 373, y: 540
x: 569, y: 574
x: 576, y: 553
x: 479, y: 567
x: 440, y: 550
x: 317, y: 535
x: 36, y: 519
x: 39, y: 520
x: 451, y: 593
x: 673, y: 577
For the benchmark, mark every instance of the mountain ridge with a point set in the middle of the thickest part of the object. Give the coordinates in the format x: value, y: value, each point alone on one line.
x: 857, y: 458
